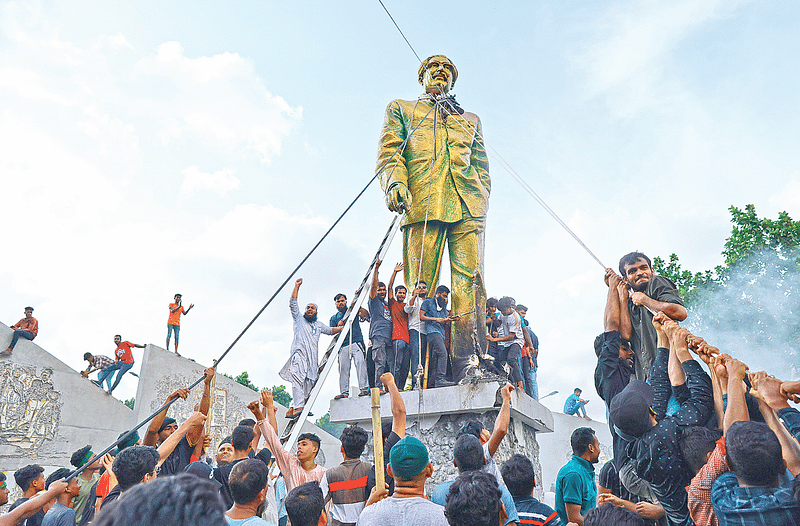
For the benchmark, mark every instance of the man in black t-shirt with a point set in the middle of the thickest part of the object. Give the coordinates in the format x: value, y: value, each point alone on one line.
x: 392, y: 433
x: 30, y: 479
x: 161, y: 427
x: 241, y: 438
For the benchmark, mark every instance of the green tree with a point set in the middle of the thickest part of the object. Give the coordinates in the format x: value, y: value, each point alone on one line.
x: 243, y: 379
x: 749, y: 304
x: 130, y: 402
x: 281, y: 396
x: 324, y: 422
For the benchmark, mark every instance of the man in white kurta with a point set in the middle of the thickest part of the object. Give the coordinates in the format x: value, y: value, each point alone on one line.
x: 301, y: 368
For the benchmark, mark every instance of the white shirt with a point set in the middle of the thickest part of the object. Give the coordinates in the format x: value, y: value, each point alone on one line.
x: 414, y: 323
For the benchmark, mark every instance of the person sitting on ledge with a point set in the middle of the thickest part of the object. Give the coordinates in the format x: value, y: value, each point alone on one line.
x: 26, y: 328
x: 574, y: 403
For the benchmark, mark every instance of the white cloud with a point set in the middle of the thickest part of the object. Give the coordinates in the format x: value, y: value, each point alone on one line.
x: 220, y: 182
x: 218, y: 100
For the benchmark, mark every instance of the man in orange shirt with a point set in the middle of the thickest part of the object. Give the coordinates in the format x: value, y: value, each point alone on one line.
x: 26, y: 328
x: 124, y: 362
x: 174, y: 320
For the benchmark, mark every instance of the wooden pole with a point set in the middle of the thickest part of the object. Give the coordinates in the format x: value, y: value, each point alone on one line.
x: 377, y: 435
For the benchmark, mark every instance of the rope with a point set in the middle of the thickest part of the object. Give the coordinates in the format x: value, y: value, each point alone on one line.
x: 507, y: 167
x: 166, y: 405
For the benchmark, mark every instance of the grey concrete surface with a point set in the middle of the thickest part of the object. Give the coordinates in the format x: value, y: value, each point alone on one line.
x: 556, y: 449
x: 163, y: 372
x: 47, y: 410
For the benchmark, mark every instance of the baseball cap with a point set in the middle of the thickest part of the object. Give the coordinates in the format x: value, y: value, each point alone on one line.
x: 408, y: 457
x: 630, y: 409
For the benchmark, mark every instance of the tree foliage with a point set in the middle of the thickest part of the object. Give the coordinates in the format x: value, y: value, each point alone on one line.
x: 130, y: 402
x: 243, y: 379
x: 324, y: 422
x: 752, y: 301
x: 281, y: 395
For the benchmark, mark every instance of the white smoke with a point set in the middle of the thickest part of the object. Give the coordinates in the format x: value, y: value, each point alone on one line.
x: 754, y: 314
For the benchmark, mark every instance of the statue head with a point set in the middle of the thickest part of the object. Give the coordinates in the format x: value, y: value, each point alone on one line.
x: 437, y: 74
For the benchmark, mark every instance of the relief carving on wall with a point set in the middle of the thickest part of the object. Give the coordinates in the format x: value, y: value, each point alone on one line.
x: 30, y: 407
x: 227, y: 409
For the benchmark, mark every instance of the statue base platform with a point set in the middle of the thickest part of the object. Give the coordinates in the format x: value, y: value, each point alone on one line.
x: 436, y: 415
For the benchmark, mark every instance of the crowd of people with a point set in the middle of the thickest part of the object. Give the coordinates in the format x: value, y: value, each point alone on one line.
x: 696, y: 441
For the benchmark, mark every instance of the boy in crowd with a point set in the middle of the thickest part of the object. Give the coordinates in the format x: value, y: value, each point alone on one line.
x: 305, y: 506
x: 61, y: 512
x: 520, y: 480
x: 248, y: 486
x: 576, y: 492
x: 30, y: 480
x: 474, y: 500
x: 345, y: 485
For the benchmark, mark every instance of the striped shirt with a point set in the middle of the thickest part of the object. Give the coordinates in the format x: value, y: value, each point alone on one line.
x: 756, y: 506
x: 531, y: 511
x: 345, y: 486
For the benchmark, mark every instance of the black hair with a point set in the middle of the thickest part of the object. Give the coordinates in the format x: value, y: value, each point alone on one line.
x: 247, y: 479
x: 312, y: 437
x: 60, y: 473
x: 118, y: 336
x: 520, y: 307
x: 397, y: 288
x: 610, y: 514
x: 471, y: 427
x: 226, y: 440
x: 468, y: 453
x: 133, y: 463
x: 581, y: 439
x: 353, y: 440
x: 577, y: 389
x: 518, y: 475
x: 696, y: 442
x: 77, y: 458
x: 29, y: 308
x: 241, y: 438
x: 88, y: 356
x: 630, y: 259
x: 247, y: 422
x: 491, y: 303
x: 505, y: 303
x: 304, y: 504
x: 473, y: 500
x: 381, y: 284
x: 421, y: 281
x: 442, y: 288
x: 180, y: 500
x: 340, y: 295
x: 754, y: 453
x: 25, y: 475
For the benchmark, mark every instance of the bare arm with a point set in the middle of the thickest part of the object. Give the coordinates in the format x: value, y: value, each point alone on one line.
x: 676, y: 343
x: 166, y: 447
x: 398, y: 407
x: 390, y: 287
x: 737, y: 407
x: 625, y: 327
x: 373, y: 289
x: 502, y: 421
x: 768, y: 391
x: 151, y: 435
x: 195, y: 433
x: 611, y: 314
x: 574, y: 513
x: 33, y: 505
x: 675, y: 311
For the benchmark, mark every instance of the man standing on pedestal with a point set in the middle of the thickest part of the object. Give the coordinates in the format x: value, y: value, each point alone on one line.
x: 301, y: 368
x: 440, y: 179
x: 174, y: 320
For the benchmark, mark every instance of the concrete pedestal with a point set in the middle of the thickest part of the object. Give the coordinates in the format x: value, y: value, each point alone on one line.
x: 436, y: 415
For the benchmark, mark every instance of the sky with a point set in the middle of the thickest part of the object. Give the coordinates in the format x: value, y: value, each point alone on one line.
x: 204, y: 147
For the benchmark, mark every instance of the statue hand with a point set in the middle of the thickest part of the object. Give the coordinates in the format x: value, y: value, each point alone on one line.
x: 398, y: 198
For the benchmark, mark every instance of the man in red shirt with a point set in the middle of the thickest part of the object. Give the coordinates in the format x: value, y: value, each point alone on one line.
x: 399, y: 358
x: 26, y: 328
x: 174, y: 320
x: 124, y: 361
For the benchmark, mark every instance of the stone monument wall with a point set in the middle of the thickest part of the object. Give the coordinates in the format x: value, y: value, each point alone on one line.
x: 163, y: 372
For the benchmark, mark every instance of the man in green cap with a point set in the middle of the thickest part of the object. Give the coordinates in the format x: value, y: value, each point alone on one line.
x: 410, y: 468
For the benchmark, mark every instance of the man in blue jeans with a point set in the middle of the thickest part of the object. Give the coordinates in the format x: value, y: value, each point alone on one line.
x: 124, y: 362
x: 575, y: 403
x: 26, y: 328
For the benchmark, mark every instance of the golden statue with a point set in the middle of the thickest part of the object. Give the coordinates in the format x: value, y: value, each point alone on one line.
x: 440, y: 179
